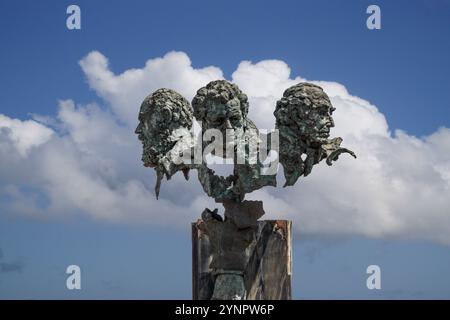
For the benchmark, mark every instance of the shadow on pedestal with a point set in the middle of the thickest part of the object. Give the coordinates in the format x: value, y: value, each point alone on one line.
x: 268, y: 271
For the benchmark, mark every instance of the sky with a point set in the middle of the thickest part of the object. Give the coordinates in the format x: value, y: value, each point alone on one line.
x: 73, y: 189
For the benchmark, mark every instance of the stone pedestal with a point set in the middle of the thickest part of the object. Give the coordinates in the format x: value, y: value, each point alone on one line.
x: 268, y: 263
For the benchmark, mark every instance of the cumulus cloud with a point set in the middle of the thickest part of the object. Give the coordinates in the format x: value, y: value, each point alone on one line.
x: 87, y: 160
x: 92, y: 166
x: 125, y: 91
x: 398, y: 186
x: 24, y: 134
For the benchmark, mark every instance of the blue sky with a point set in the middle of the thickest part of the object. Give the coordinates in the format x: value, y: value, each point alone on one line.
x: 322, y: 39
x: 402, y: 69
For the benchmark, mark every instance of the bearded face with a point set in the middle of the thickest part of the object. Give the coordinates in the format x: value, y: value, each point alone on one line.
x: 162, y: 113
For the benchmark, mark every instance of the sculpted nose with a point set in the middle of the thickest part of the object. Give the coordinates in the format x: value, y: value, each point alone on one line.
x: 331, y: 122
x: 138, y: 129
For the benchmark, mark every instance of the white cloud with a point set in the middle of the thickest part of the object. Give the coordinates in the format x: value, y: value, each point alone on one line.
x: 24, y: 134
x: 125, y: 91
x: 89, y: 162
x: 398, y: 186
x: 91, y: 167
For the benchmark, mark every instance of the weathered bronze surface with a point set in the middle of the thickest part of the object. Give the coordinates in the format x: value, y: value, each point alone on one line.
x: 237, y: 256
x: 266, y: 270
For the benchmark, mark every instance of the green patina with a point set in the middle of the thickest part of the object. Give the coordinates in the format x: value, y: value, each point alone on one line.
x: 303, y: 119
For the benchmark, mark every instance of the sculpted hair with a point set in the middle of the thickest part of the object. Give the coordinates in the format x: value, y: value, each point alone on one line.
x: 218, y: 92
x: 298, y: 101
x: 172, y: 108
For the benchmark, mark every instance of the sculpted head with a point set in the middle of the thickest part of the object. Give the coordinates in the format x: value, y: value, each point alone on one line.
x: 220, y: 105
x: 303, y: 118
x: 305, y: 110
x: 162, y: 115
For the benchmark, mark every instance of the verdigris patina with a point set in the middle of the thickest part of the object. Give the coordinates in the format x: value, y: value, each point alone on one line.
x: 223, y: 107
x: 303, y: 118
x: 165, y: 118
x: 237, y: 241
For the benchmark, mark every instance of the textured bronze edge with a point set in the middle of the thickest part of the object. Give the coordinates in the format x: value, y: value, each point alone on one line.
x: 194, y: 233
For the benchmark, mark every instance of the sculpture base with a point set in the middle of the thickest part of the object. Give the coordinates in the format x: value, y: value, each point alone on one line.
x: 267, y: 275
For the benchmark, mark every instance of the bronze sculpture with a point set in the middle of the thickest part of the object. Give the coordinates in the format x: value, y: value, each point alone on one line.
x: 303, y: 121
